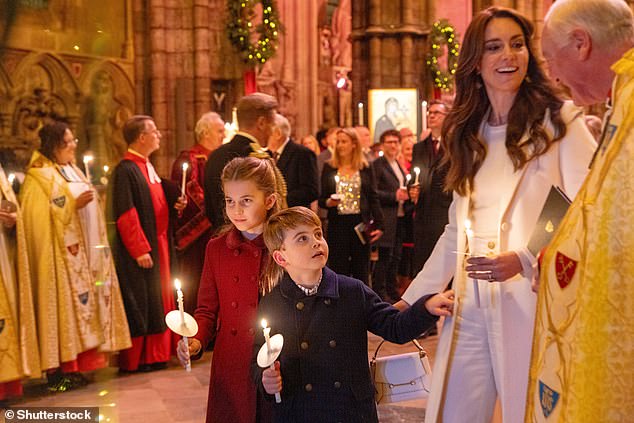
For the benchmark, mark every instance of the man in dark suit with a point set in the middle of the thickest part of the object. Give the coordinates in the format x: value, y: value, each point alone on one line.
x: 297, y: 163
x: 256, y: 116
x: 393, y: 197
x: 430, y: 199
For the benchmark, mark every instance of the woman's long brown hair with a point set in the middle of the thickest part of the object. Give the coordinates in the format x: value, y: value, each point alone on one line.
x: 460, y: 133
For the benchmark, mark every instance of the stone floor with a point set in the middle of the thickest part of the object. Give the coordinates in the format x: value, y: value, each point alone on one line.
x: 173, y: 395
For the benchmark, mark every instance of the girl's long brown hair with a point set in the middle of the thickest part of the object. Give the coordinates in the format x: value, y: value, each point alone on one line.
x: 460, y: 134
x: 262, y: 173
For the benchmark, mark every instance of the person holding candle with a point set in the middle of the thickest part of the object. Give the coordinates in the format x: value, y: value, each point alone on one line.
x: 144, y: 208
x: 507, y: 139
x: 395, y: 205
x: 193, y: 228
x: 235, y: 276
x: 429, y: 196
x: 322, y: 373
x: 77, y: 319
x: 19, y: 334
x: 360, y: 204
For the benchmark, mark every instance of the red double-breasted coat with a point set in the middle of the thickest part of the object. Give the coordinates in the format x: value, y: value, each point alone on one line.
x: 227, y: 310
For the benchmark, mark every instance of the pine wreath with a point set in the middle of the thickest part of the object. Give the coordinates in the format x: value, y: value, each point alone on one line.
x: 443, y: 34
x: 241, y: 30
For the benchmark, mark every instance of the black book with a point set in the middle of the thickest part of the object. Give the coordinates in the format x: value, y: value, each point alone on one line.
x: 551, y: 216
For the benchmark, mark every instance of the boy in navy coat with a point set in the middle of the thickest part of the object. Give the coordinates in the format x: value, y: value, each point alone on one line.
x: 322, y: 372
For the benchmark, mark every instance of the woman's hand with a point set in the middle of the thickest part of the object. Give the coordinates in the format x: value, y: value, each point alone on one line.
x: 494, y: 269
x: 375, y: 235
x: 272, y: 379
x: 332, y: 202
x: 8, y: 219
x: 414, y: 192
x: 84, y: 198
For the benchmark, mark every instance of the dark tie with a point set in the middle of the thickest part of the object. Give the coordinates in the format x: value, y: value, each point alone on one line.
x: 435, y: 143
x: 275, y: 156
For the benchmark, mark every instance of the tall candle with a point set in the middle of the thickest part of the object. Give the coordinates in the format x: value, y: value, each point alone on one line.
x: 469, y: 233
x: 417, y: 172
x: 424, y: 116
x: 234, y: 118
x: 267, y: 337
x: 185, y: 167
x: 181, y: 309
x: 360, y: 106
x: 87, y: 159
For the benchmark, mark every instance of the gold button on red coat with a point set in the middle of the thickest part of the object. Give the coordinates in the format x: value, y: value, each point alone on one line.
x: 256, y: 254
x: 234, y: 331
x: 236, y: 252
x: 236, y: 279
x: 251, y: 331
x: 234, y: 304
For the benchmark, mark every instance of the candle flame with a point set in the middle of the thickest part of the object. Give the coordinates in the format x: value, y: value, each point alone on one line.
x: 106, y: 168
x: 360, y: 105
x: 88, y: 158
x: 177, y: 284
x: 11, y: 177
x: 185, y: 167
x: 336, y: 179
x: 408, y: 177
x: 417, y: 170
x: 424, y: 103
x: 264, y: 323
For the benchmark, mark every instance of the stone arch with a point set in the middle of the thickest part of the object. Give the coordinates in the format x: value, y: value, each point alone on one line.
x: 108, y: 102
x: 43, y: 88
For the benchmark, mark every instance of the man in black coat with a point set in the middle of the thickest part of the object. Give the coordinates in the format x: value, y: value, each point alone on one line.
x: 390, y: 183
x: 431, y: 201
x: 297, y: 163
x: 256, y: 116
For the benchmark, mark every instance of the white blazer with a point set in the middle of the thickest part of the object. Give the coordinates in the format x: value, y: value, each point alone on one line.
x: 523, y: 194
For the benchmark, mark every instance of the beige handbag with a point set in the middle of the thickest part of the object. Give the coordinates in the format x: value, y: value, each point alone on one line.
x: 401, y: 377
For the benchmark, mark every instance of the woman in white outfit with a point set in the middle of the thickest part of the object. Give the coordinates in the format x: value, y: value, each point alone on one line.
x: 508, y: 139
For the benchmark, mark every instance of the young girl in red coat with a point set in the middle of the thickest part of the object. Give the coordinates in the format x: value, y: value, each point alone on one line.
x: 231, y: 284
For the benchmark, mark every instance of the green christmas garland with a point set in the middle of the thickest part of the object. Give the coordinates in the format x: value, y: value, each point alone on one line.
x: 241, y: 28
x: 443, y: 34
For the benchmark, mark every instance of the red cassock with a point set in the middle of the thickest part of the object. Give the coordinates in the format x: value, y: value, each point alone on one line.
x: 158, y: 347
x: 227, y: 310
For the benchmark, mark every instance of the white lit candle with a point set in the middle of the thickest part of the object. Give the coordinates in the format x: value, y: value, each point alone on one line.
x: 381, y: 153
x: 417, y: 172
x: 267, y: 337
x: 181, y: 309
x: 87, y: 159
x: 106, y: 168
x: 469, y: 233
x: 424, y: 115
x: 408, y: 178
x: 11, y: 178
x: 234, y: 118
x: 360, y: 106
x: 185, y: 167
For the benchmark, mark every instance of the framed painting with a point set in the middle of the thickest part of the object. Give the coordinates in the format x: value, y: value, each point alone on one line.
x: 392, y: 108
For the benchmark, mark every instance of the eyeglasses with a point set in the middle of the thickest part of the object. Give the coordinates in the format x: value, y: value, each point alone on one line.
x: 72, y: 142
x: 436, y: 112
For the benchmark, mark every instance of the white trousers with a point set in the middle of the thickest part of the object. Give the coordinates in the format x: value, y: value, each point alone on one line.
x: 484, y: 365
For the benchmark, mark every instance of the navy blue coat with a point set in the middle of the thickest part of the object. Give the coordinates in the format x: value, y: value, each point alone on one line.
x: 324, y: 361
